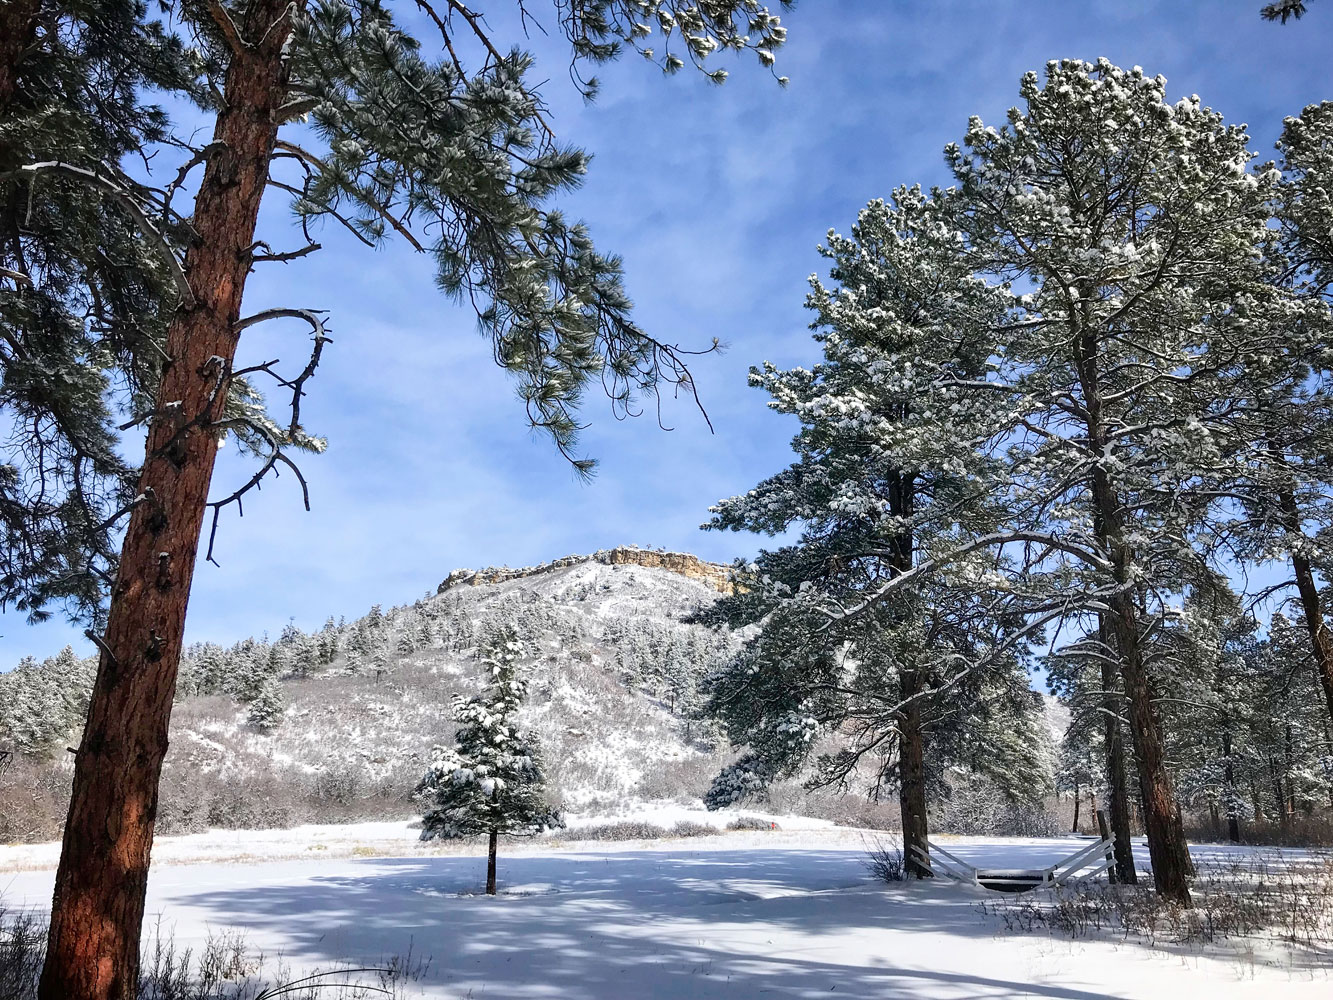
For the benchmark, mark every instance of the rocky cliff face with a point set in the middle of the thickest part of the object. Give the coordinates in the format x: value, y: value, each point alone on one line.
x: 714, y: 575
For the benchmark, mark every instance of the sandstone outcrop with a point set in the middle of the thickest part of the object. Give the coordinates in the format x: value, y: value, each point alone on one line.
x: 715, y: 575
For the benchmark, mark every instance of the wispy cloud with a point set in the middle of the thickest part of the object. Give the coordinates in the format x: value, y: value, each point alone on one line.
x: 716, y: 198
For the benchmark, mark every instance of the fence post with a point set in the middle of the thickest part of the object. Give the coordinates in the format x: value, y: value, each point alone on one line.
x: 1104, y: 829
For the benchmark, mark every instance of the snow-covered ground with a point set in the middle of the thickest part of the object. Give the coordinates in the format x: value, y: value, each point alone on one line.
x: 768, y: 913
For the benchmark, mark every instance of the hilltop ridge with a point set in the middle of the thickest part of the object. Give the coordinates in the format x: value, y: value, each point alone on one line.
x: 715, y: 575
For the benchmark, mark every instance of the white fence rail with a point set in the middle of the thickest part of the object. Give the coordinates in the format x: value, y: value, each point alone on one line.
x: 1075, y: 867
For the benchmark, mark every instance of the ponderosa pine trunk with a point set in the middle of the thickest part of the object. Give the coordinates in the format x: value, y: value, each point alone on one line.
x: 1116, y: 779
x: 490, y: 863
x: 1233, y: 820
x: 97, y: 911
x: 912, y: 775
x: 1321, y: 639
x: 911, y: 727
x: 1279, y: 797
x: 1161, y: 813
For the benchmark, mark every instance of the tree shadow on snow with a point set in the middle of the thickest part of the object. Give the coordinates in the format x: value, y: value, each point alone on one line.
x: 688, y: 924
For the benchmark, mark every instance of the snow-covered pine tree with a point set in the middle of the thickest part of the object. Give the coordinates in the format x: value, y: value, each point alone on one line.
x: 492, y: 779
x: 425, y: 636
x: 265, y: 713
x: 1288, y: 741
x: 888, y: 472
x: 208, y: 668
x: 43, y: 703
x: 1284, y: 411
x: 356, y: 661
x: 405, y: 644
x: 1284, y: 10
x: 328, y: 641
x: 1135, y: 223
x: 379, y: 660
x: 1246, y: 712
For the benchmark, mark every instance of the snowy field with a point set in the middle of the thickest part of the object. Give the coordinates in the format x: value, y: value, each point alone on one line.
x: 785, y: 913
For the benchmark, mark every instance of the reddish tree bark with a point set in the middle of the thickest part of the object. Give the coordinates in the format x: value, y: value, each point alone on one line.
x: 93, y: 950
x: 1161, y: 813
x: 912, y: 775
x: 1117, y: 780
x: 911, y: 727
x: 1167, y: 848
x: 1321, y: 639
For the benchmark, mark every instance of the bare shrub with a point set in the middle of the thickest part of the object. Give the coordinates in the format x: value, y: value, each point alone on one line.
x: 22, y: 948
x: 637, y: 829
x: 685, y: 828
x: 683, y: 780
x: 35, y: 797
x: 843, y: 809
x: 884, y: 859
x: 183, y: 801
x: 223, y: 969
x: 752, y: 823
x: 1267, y: 897
x: 1315, y: 830
x: 619, y: 830
x: 259, y: 802
x: 338, y: 785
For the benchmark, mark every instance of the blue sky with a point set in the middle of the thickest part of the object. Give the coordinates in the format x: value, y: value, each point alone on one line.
x: 716, y: 198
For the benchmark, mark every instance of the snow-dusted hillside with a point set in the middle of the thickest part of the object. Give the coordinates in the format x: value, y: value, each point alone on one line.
x: 612, y: 666
x: 338, y: 725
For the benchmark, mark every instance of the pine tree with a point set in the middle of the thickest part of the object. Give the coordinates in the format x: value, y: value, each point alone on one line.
x: 1284, y: 423
x: 1136, y: 223
x: 1085, y: 673
x: 43, y: 703
x: 406, y: 643
x: 379, y: 661
x: 385, y: 113
x: 356, y: 662
x: 269, y: 707
x: 328, y: 642
x: 1284, y: 10
x: 887, y: 474
x: 84, y: 292
x: 492, y: 780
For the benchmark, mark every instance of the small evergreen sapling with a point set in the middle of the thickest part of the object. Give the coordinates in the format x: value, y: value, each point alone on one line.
x: 492, y: 779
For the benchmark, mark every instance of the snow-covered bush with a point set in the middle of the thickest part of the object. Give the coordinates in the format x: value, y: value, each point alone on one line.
x: 751, y: 823
x: 977, y: 806
x: 687, y: 828
x: 629, y: 829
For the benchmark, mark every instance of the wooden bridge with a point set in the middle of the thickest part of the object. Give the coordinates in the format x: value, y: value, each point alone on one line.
x: 1086, y: 863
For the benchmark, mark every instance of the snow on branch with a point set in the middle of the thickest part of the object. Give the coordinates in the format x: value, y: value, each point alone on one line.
x: 130, y: 203
x: 994, y: 540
